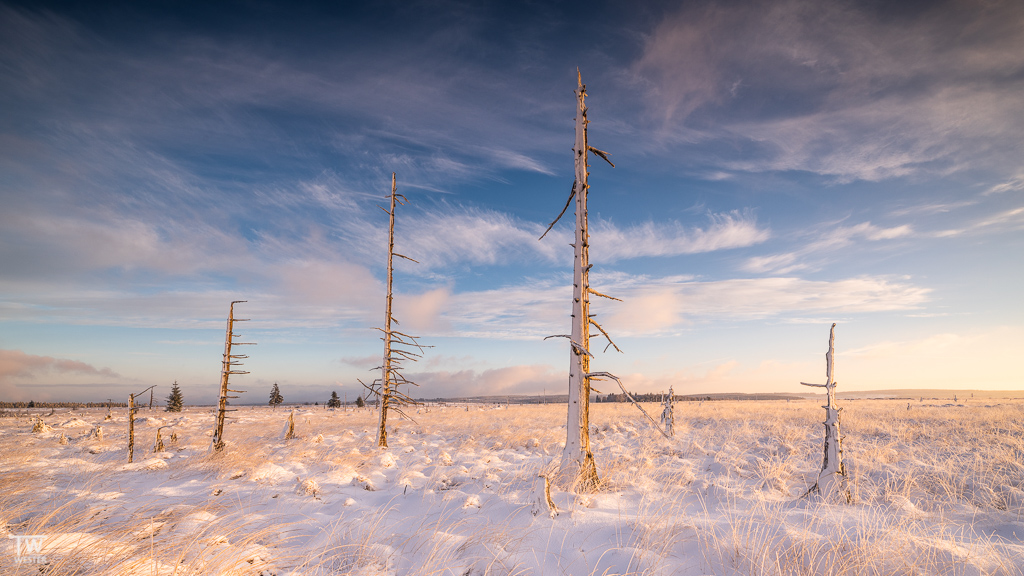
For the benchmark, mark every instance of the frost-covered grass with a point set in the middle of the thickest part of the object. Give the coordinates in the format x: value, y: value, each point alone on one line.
x: 938, y: 490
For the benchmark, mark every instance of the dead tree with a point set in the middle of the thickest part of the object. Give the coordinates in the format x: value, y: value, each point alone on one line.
x: 158, y: 445
x: 831, y: 482
x: 577, y: 466
x: 227, y: 369
x: 668, y: 419
x: 398, y: 346
x: 132, y: 409
x: 289, y: 428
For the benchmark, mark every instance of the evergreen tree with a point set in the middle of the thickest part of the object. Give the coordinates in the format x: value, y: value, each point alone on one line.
x: 275, y: 396
x: 175, y: 399
x: 360, y: 402
x: 334, y: 402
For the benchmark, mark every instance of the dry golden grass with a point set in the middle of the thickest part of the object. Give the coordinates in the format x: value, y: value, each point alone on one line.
x: 722, y: 495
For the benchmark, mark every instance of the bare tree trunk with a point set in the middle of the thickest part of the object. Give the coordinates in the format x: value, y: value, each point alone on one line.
x: 668, y: 418
x: 289, y: 429
x: 131, y: 422
x: 577, y: 457
x: 385, y: 377
x: 158, y: 445
x: 577, y: 467
x: 831, y: 482
x: 229, y: 361
x: 386, y: 387
x: 541, y: 497
x: 131, y: 427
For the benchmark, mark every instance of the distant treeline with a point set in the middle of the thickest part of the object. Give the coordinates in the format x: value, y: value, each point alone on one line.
x: 34, y: 404
x: 697, y: 397
x: 653, y: 397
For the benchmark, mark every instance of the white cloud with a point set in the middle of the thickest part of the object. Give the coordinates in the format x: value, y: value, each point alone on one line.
x: 421, y: 313
x: 465, y: 235
x: 664, y: 306
x: 833, y: 238
x: 759, y: 298
x: 521, y: 379
x: 725, y: 231
x: 932, y: 208
x: 1012, y: 185
x: 471, y: 236
x: 1012, y: 219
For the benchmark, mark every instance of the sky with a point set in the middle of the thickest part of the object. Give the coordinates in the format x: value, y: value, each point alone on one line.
x: 779, y: 166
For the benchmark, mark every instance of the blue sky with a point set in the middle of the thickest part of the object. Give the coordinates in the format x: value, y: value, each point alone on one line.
x: 779, y: 166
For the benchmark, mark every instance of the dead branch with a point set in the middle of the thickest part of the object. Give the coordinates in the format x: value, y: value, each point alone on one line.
x: 575, y: 346
x: 610, y: 343
x: 601, y: 153
x: 628, y: 395
x: 596, y: 293
x: 407, y: 258
x: 560, y: 214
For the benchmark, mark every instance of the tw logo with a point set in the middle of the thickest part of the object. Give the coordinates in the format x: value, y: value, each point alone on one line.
x: 28, y: 548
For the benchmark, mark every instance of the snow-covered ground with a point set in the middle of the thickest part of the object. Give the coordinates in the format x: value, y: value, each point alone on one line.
x: 937, y: 488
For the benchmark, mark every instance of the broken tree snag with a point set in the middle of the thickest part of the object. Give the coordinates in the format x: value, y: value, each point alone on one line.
x: 398, y: 345
x: 158, y: 446
x: 289, y: 428
x: 668, y: 419
x: 577, y: 468
x: 131, y: 427
x: 227, y: 369
x: 541, y: 500
x: 831, y: 483
x: 132, y: 409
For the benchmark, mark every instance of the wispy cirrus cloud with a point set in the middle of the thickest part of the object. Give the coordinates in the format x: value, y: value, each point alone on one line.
x: 660, y: 306
x: 461, y: 235
x: 724, y: 231
x: 1014, y: 184
x: 841, y: 89
x: 834, y: 237
x: 664, y: 307
x: 1011, y: 219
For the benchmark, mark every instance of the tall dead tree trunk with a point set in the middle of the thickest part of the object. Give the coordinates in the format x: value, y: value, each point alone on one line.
x: 397, y: 345
x: 831, y: 482
x: 577, y: 465
x: 131, y: 427
x: 132, y: 408
x: 227, y: 364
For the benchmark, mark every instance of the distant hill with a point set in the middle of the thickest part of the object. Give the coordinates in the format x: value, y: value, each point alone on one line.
x: 742, y: 396
x: 928, y: 394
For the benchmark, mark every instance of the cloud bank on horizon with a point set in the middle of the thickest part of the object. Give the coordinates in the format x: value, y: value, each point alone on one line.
x: 779, y: 167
